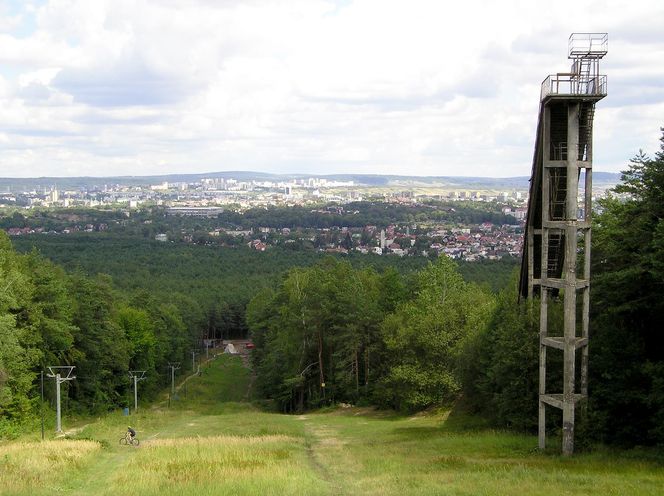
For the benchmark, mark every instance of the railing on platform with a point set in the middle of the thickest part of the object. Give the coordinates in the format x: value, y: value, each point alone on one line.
x: 566, y: 84
x: 588, y: 45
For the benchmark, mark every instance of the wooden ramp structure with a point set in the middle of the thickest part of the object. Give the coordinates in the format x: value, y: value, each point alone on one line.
x: 558, y: 225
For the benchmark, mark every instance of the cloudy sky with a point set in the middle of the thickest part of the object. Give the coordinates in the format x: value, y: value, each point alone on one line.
x: 413, y: 87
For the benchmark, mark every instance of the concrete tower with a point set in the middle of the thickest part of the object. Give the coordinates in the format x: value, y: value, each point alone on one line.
x: 561, y: 175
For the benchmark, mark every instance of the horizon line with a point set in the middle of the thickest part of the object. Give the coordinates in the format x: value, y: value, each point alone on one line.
x: 275, y: 174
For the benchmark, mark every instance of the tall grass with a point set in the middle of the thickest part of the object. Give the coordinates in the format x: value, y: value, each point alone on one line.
x: 219, y: 465
x: 210, y: 442
x: 35, y: 465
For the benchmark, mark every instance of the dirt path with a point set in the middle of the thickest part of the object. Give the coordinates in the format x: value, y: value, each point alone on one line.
x: 100, y: 475
x: 243, y: 352
x: 72, y: 432
x: 322, y: 442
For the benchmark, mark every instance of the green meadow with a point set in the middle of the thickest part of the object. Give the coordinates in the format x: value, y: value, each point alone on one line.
x: 212, y: 440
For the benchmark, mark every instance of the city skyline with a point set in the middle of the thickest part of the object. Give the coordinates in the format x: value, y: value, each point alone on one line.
x: 101, y: 88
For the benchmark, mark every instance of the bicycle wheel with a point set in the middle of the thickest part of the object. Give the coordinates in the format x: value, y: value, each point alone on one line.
x: 123, y: 440
x: 135, y: 441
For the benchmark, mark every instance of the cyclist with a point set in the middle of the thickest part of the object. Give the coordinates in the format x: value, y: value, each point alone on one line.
x: 132, y: 433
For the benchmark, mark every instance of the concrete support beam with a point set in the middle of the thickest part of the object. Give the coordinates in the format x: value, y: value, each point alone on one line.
x: 570, y: 285
x: 559, y: 342
x: 552, y: 282
x: 544, y: 314
x: 569, y: 274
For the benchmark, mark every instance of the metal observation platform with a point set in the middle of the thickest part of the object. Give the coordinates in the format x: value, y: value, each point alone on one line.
x: 558, y: 223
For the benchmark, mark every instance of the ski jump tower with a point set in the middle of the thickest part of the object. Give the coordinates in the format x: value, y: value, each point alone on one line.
x: 558, y: 223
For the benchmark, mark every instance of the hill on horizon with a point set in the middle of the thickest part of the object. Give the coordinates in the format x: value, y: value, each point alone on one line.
x: 518, y: 182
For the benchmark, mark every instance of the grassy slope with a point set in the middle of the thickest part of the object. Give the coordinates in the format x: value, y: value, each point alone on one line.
x: 210, y: 442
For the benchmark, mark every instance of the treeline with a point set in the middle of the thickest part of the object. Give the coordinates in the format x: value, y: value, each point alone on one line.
x: 627, y: 343
x: 48, y: 317
x: 360, y: 214
x: 153, y: 220
x: 57, y: 218
x: 221, y: 279
x: 334, y: 333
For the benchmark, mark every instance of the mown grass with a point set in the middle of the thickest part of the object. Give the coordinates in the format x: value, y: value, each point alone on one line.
x: 418, y: 455
x: 211, y: 442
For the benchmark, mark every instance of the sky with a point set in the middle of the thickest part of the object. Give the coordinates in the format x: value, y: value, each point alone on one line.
x: 409, y: 87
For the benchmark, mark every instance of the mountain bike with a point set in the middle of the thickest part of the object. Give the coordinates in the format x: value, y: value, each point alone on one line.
x: 127, y: 439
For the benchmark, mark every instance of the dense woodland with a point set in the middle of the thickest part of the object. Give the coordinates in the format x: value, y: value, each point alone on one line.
x: 394, y: 333
x: 49, y: 317
x: 116, y: 302
x: 332, y: 333
x: 222, y: 280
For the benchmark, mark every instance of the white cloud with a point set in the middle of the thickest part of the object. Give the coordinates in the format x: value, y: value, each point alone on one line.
x: 101, y: 87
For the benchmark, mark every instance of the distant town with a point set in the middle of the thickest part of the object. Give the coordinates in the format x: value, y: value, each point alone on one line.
x: 214, y: 192
x: 494, y: 232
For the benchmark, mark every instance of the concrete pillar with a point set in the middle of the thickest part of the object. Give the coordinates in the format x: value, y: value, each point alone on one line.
x: 569, y: 347
x: 544, y: 302
x: 135, y: 393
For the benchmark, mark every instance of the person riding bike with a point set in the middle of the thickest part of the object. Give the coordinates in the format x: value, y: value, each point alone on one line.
x: 132, y: 432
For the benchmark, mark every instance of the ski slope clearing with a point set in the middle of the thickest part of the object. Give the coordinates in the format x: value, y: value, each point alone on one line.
x: 211, y: 442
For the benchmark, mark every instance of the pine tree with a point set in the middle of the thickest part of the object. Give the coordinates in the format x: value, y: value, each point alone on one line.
x: 627, y: 343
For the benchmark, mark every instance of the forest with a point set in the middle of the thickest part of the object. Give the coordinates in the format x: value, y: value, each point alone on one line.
x: 50, y: 317
x: 108, y: 303
x: 405, y: 334
x: 221, y: 279
x: 363, y: 213
x: 333, y: 333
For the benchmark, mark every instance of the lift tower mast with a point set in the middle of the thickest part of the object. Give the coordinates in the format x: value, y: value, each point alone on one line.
x: 559, y: 219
